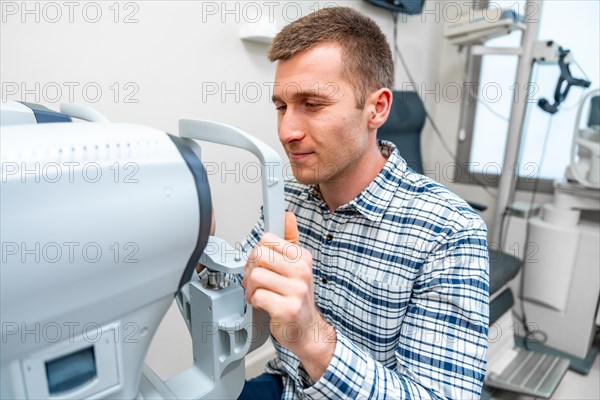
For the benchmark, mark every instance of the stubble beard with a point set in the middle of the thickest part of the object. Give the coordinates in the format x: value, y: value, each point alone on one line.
x: 322, y: 172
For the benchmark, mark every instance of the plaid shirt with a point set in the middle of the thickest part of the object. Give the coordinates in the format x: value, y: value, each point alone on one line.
x: 401, y: 273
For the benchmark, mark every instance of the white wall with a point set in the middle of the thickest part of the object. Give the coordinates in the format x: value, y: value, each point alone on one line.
x: 167, y: 59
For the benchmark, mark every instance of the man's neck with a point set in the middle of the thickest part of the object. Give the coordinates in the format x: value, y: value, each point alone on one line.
x: 344, y: 188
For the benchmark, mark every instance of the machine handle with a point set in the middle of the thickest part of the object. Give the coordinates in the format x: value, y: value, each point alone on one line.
x: 274, y: 218
x: 83, y: 112
x: 272, y: 177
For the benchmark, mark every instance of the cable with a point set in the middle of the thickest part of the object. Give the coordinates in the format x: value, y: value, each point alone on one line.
x: 398, y: 55
x: 490, y: 109
x: 581, y: 70
x: 516, y: 314
x: 528, y: 332
x: 485, y: 104
x: 574, y: 106
x: 413, y: 82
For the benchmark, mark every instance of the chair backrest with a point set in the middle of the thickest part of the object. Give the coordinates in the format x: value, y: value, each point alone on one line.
x: 403, y: 127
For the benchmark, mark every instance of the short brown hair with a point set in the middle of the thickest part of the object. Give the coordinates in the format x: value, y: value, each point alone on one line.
x: 366, y: 55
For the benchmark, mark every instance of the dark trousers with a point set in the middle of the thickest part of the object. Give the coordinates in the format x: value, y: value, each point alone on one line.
x: 263, y: 387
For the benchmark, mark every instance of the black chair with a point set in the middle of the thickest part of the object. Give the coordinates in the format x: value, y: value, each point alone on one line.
x: 403, y: 128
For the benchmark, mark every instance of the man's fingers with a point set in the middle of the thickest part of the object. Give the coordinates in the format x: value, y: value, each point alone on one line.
x: 269, y: 280
x: 291, y: 228
x: 250, y: 264
x: 289, y: 246
x: 286, y: 260
x: 266, y: 300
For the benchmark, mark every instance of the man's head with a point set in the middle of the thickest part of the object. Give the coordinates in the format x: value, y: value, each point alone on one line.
x: 331, y: 92
x: 367, y: 59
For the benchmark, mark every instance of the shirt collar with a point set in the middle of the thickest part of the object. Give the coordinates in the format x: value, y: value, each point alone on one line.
x: 375, y: 198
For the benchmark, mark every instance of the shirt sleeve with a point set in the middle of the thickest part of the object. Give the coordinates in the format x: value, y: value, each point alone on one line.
x: 441, y: 352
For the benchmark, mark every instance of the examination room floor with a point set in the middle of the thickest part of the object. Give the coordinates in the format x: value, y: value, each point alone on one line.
x: 574, y: 386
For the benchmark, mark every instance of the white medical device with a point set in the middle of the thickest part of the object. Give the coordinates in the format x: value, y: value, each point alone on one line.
x: 585, y: 149
x: 102, y: 225
x: 561, y: 290
x: 477, y: 26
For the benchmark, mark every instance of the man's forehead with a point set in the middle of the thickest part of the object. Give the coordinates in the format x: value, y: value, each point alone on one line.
x: 316, y: 71
x: 320, y: 60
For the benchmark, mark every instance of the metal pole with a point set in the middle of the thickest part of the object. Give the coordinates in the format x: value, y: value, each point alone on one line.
x: 517, y: 117
x: 469, y: 96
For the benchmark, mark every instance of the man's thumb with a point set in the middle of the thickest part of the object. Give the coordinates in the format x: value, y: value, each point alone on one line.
x: 291, y: 228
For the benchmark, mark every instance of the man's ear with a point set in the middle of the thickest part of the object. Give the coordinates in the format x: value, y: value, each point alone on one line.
x: 379, y: 104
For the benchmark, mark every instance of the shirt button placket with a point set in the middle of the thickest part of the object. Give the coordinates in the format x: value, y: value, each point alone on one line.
x: 328, y: 255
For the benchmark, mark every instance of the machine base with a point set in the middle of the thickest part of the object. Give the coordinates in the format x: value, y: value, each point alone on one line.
x: 579, y: 365
x: 532, y: 373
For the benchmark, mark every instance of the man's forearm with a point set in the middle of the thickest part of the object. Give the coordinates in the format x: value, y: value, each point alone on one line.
x: 317, y: 352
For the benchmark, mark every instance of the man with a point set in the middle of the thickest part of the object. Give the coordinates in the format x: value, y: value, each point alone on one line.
x: 380, y: 287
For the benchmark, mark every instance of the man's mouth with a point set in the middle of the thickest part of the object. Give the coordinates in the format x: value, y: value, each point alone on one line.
x: 297, y: 156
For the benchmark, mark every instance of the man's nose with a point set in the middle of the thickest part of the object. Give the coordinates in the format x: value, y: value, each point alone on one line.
x: 291, y: 127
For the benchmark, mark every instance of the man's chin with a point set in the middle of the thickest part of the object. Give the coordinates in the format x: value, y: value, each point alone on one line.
x: 306, y: 176
x: 312, y: 176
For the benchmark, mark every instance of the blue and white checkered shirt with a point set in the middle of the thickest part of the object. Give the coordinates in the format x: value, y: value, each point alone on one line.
x: 401, y: 273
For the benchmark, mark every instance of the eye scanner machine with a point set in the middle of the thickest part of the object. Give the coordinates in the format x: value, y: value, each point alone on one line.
x: 102, y: 226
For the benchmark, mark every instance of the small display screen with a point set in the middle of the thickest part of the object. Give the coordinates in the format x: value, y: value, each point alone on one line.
x: 71, y: 371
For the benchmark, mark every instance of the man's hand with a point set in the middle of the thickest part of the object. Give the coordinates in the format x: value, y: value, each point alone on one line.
x: 278, y: 279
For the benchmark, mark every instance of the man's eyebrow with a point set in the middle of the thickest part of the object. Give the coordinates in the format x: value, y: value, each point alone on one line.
x: 302, y: 94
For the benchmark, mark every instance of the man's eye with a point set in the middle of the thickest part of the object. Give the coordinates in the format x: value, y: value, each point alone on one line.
x: 312, y: 105
x: 281, y: 108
